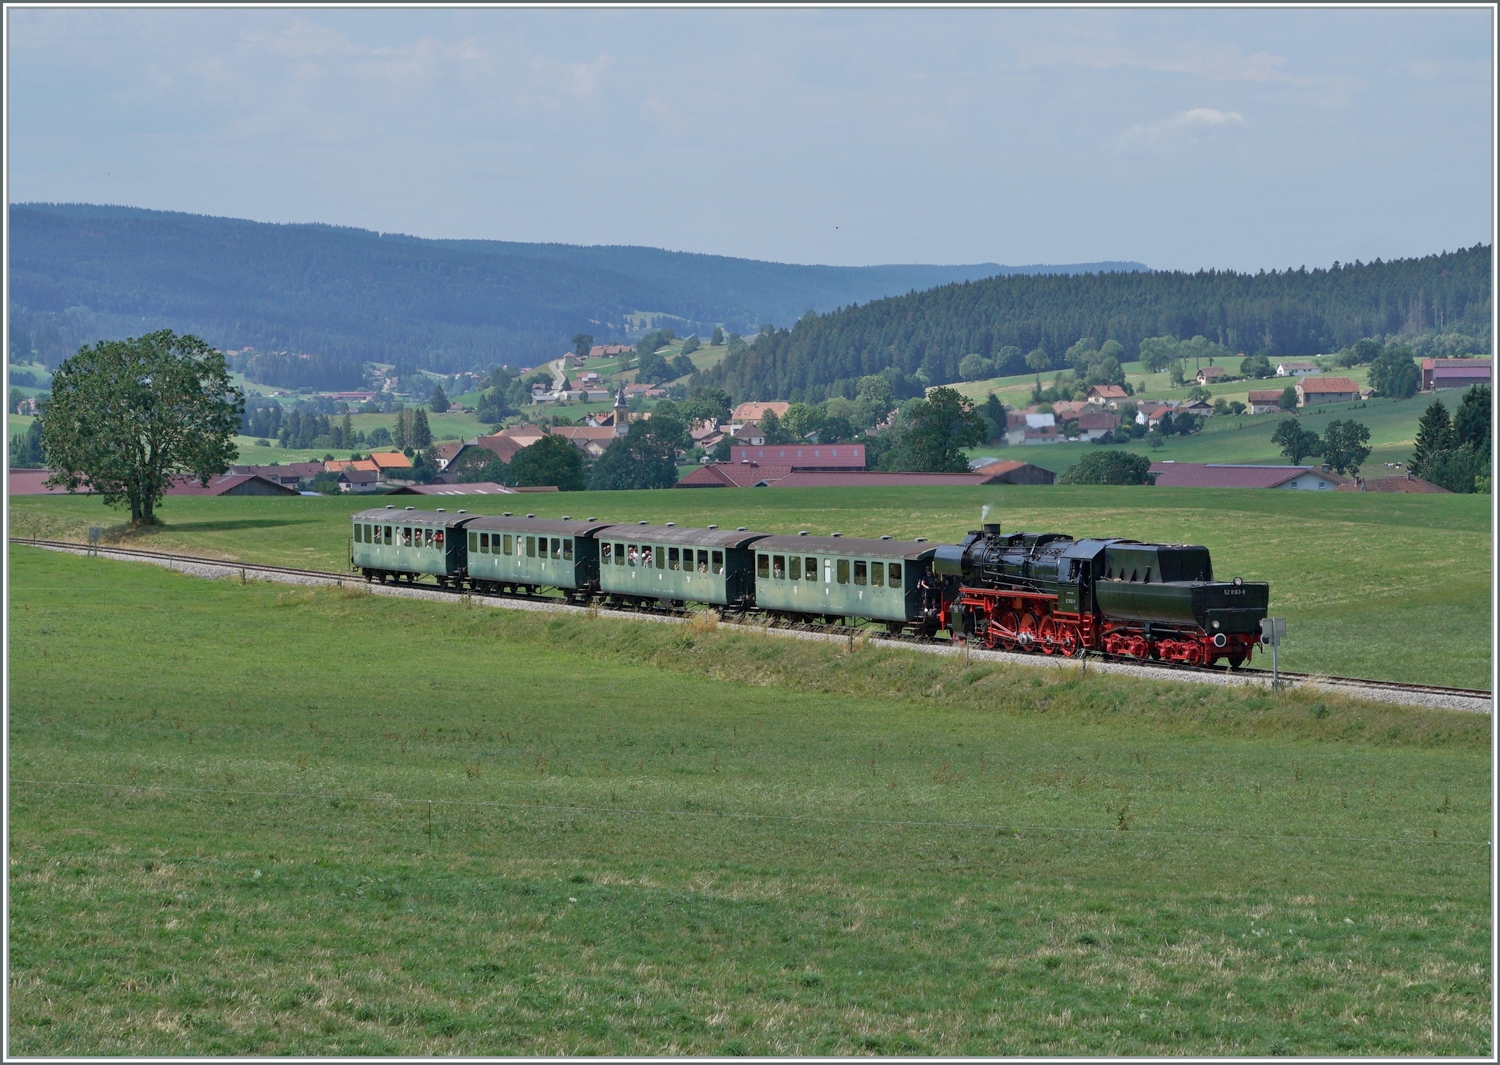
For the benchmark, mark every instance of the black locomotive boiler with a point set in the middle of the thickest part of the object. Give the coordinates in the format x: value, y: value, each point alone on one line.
x: 1052, y: 594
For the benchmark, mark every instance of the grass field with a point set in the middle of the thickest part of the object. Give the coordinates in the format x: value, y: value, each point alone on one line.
x: 1372, y: 585
x: 330, y: 823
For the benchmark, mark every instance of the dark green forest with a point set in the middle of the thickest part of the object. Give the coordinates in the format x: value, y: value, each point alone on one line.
x: 80, y: 273
x: 919, y: 339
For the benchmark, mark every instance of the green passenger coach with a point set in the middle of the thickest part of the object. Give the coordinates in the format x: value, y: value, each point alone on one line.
x: 832, y: 577
x: 643, y: 564
x: 508, y: 554
x: 390, y: 544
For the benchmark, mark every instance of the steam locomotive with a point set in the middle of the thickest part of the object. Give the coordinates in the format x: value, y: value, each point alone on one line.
x: 1050, y: 593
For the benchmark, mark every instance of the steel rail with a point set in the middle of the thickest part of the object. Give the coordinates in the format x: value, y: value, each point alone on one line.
x: 1355, y: 683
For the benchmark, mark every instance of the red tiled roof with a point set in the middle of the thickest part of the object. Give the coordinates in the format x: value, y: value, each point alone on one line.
x: 1108, y: 392
x: 802, y: 456
x: 1264, y: 395
x: 1327, y: 384
x: 478, y: 488
x: 749, y: 412
x: 873, y: 479
x: 1409, y: 483
x: 1095, y: 418
x: 387, y: 460
x: 228, y: 484
x: 1213, y: 475
x: 733, y: 475
x: 28, y: 482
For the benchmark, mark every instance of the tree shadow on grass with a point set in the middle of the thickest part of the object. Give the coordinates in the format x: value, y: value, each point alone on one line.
x: 119, y: 534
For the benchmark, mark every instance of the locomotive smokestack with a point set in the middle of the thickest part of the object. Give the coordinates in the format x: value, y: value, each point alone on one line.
x: 991, y: 528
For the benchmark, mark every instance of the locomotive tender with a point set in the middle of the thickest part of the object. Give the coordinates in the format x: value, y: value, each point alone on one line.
x: 1043, y: 593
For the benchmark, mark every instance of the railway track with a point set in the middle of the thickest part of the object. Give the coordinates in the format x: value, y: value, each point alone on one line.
x: 1432, y: 695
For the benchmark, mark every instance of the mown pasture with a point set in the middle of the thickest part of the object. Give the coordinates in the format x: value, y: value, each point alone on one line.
x: 253, y: 819
x: 1373, y: 585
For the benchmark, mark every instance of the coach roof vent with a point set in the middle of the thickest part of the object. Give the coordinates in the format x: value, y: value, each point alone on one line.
x: 463, y: 511
x: 531, y: 515
x: 671, y: 525
x: 567, y: 517
x: 713, y: 526
x: 411, y: 508
x: 442, y: 510
x: 801, y: 532
x: 835, y: 534
x: 885, y: 537
x: 591, y: 518
x: 741, y: 528
x: 643, y: 523
x: 390, y: 506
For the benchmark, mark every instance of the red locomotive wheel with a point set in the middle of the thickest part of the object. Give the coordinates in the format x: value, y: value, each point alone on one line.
x: 1006, y: 637
x: 1065, y: 640
x: 1047, y: 636
x: 1026, y: 633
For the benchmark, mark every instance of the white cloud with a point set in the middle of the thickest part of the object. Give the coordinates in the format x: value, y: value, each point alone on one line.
x: 1185, y: 125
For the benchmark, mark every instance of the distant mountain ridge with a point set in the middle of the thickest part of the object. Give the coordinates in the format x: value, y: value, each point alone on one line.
x: 80, y: 272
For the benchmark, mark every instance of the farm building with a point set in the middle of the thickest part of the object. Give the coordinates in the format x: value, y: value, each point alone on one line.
x: 1264, y: 400
x: 750, y: 412
x: 478, y: 488
x: 1295, y: 368
x: 1454, y: 373
x: 1313, y: 391
x: 727, y: 475
x: 1094, y: 422
x: 229, y: 484
x: 1229, y: 475
x: 1110, y: 396
x: 801, y: 456
x: 1410, y: 484
x: 1209, y: 374
x: 290, y: 474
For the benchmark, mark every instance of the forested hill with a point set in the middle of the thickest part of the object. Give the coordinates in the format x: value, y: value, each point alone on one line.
x: 81, y: 272
x: 1293, y: 312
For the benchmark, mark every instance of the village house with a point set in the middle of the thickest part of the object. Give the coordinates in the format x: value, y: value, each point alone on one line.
x: 607, y: 351
x: 1295, y: 368
x: 1231, y: 475
x: 749, y: 433
x: 1313, y: 391
x: 1264, y: 400
x: 1110, y: 396
x: 1209, y: 374
x: 1438, y: 374
x: 750, y: 412
x: 1095, y: 422
x: 1030, y: 427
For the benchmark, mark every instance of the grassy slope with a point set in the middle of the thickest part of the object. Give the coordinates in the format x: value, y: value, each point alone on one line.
x: 1392, y: 424
x: 1368, y: 585
x: 608, y: 870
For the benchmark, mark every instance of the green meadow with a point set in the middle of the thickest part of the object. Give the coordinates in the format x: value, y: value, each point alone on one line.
x: 1373, y: 585
x: 258, y: 820
x: 1247, y: 438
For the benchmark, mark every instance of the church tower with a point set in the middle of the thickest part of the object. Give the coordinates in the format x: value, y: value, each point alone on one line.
x: 622, y: 413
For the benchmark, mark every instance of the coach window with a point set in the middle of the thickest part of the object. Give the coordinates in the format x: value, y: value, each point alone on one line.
x: 474, y: 543
x: 673, y: 559
x: 388, y: 531
x: 778, y: 567
x: 718, y: 562
x: 860, y: 574
x: 895, y: 575
x: 810, y: 569
x: 438, y: 538
x: 702, y: 561
x: 828, y: 571
x: 762, y: 565
x: 877, y: 574
x: 428, y: 540
x: 843, y: 571
x: 508, y: 544
x: 606, y: 555
x: 796, y: 573
x: 405, y: 537
x: 531, y: 547
x: 556, y: 548
x: 619, y: 554
x: 568, y: 549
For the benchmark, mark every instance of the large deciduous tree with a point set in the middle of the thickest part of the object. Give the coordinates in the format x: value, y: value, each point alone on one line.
x: 1346, y: 445
x: 1296, y: 443
x: 645, y: 457
x: 935, y: 432
x: 552, y: 460
x: 127, y: 415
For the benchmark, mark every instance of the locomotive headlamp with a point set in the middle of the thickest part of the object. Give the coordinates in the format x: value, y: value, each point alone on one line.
x: 1237, y: 581
x: 1220, y: 639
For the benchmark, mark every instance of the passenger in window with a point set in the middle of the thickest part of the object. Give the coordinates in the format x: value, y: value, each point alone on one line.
x: 634, y: 555
x: 702, y: 561
x: 778, y: 567
x: 796, y: 568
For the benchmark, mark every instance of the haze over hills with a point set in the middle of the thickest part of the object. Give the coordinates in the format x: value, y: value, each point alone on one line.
x: 80, y: 272
x: 923, y: 336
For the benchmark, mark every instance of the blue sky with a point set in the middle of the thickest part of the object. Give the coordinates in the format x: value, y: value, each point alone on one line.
x: 1239, y: 139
